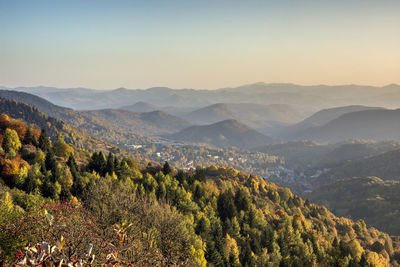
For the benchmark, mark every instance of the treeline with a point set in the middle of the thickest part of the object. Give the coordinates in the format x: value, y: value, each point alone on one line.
x: 155, y: 215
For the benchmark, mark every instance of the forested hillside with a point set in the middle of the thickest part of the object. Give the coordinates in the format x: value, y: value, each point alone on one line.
x: 54, y: 127
x: 385, y: 166
x: 375, y: 200
x: 110, y: 209
x: 103, y: 129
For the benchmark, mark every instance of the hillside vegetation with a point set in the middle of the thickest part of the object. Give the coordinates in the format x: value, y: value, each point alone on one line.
x: 99, y: 127
x: 372, y: 199
x: 54, y: 127
x: 385, y: 166
x: 127, y: 213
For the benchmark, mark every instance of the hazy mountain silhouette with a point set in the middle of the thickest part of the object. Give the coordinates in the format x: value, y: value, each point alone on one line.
x: 367, y: 124
x: 141, y: 107
x: 322, y: 117
x: 307, y: 99
x: 146, y: 123
x: 225, y: 133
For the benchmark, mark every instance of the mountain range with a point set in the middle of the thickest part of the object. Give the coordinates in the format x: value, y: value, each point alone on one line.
x: 300, y: 96
x: 164, y: 111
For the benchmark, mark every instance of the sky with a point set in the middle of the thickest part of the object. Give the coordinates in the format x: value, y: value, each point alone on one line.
x: 204, y: 44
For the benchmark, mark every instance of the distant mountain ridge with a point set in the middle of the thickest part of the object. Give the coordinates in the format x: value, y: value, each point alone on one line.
x: 322, y: 96
x: 225, y: 133
x: 263, y: 118
x: 372, y: 124
x: 211, y: 114
x: 325, y: 116
x: 141, y: 107
x: 146, y: 123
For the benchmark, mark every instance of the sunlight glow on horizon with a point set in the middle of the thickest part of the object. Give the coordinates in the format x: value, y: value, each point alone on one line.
x: 198, y: 44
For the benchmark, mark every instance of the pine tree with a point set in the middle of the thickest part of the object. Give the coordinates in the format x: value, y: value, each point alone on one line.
x: 50, y: 161
x: 110, y: 164
x: 29, y: 138
x: 226, y: 205
x: 242, y: 201
x: 97, y: 163
x: 167, y: 168
x: 72, y: 165
x: 44, y: 141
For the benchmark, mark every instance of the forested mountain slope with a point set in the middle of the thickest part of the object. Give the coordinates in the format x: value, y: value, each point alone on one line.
x: 54, y: 127
x: 97, y: 127
x: 323, y: 155
x: 128, y: 213
x: 385, y: 166
x: 372, y: 199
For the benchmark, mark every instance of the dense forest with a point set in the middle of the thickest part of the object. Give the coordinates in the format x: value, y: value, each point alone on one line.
x: 59, y: 203
x: 375, y: 200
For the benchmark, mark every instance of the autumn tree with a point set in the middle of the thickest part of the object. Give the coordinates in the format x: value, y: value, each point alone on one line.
x: 4, y: 121
x: 61, y: 149
x: 11, y: 141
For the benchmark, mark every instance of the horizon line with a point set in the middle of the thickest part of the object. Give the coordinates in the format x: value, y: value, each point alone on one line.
x: 204, y: 89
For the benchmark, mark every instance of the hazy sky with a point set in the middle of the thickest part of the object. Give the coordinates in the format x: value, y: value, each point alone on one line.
x: 198, y: 44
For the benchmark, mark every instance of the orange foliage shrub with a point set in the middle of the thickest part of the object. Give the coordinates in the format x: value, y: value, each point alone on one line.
x: 18, y: 126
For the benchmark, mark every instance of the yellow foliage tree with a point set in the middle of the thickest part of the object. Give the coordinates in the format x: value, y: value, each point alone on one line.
x: 377, y: 260
x: 231, y: 250
x: 61, y: 149
x: 66, y: 178
x: 356, y: 249
x: 11, y: 141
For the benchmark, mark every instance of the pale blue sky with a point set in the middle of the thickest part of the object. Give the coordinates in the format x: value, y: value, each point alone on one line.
x: 198, y: 44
